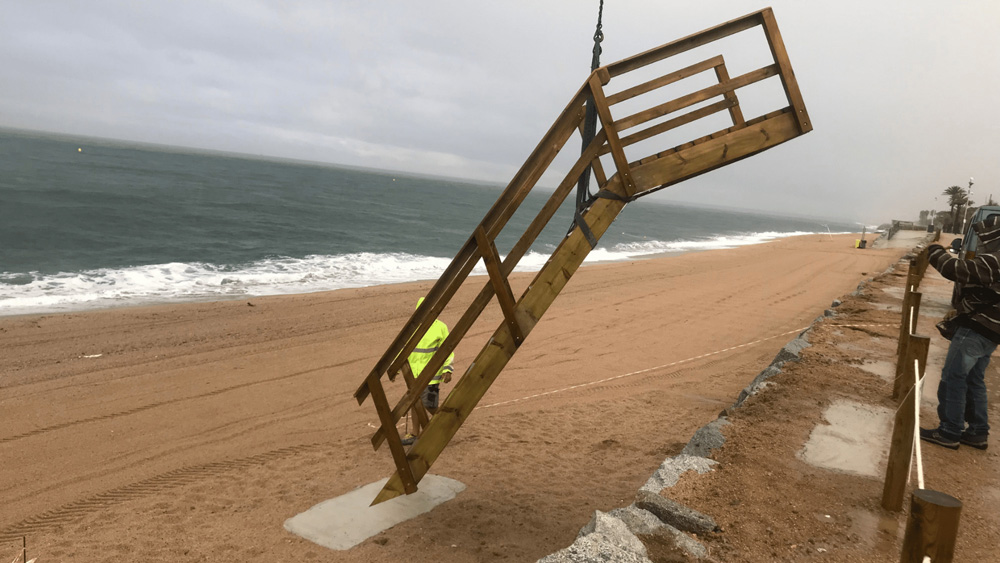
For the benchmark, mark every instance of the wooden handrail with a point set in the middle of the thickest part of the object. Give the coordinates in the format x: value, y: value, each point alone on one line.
x: 692, y: 41
x: 696, y: 97
x: 674, y: 123
x: 665, y: 80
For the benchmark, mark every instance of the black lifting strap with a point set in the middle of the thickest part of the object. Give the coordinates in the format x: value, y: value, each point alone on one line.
x: 583, y: 197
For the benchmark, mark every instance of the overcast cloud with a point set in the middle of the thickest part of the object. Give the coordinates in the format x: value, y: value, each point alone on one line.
x: 902, y: 94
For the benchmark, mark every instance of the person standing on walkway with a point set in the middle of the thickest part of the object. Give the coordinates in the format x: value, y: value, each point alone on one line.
x: 962, y: 402
x: 418, y: 360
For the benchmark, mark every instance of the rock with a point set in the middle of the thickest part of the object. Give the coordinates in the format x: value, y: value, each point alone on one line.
x: 615, y: 531
x: 838, y: 302
x: 758, y: 384
x: 672, y: 468
x: 604, y: 539
x: 750, y: 392
x: 829, y: 313
x: 592, y: 549
x: 675, y: 514
x: 637, y: 520
x: 669, y: 534
x: 706, y: 439
x: 791, y: 350
x: 645, y: 523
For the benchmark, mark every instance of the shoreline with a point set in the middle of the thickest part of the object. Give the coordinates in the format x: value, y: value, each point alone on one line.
x: 159, y: 302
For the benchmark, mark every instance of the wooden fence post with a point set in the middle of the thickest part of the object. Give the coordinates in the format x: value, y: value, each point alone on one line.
x: 931, y: 528
x: 897, y: 469
x: 910, y: 315
x: 913, y: 274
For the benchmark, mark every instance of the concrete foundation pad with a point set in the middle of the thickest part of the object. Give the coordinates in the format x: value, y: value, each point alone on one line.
x: 882, y: 368
x: 344, y: 522
x: 856, y: 440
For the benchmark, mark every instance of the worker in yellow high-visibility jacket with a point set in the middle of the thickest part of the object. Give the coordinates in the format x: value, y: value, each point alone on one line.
x: 421, y: 356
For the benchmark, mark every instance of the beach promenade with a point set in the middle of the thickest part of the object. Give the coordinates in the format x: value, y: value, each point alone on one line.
x: 192, y: 432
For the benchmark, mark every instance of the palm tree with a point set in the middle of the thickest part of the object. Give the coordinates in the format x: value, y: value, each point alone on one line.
x: 956, y: 198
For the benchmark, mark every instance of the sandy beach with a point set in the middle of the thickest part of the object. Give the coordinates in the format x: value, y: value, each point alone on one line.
x: 192, y: 432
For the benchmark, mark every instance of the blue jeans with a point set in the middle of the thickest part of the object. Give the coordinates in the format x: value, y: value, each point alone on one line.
x: 962, y: 391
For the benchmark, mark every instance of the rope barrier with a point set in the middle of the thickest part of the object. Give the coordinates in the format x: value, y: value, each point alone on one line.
x: 916, y: 424
x: 570, y: 388
x: 579, y: 385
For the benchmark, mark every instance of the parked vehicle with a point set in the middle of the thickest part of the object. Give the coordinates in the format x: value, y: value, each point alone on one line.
x: 970, y: 241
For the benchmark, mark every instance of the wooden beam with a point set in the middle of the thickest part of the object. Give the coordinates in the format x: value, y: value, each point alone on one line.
x: 777, y: 45
x: 714, y: 153
x: 615, y: 145
x: 599, y: 174
x: 901, y: 447
x: 403, y: 470
x: 734, y: 110
x: 674, y: 123
x: 664, y: 80
x: 419, y: 413
x: 696, y: 97
x: 685, y: 44
x: 539, y: 160
x: 907, y: 325
x: 500, y: 284
x: 931, y: 527
x: 596, y: 166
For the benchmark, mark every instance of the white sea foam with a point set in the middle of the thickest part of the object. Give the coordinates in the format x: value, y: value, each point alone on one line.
x: 34, y: 293
x: 628, y: 250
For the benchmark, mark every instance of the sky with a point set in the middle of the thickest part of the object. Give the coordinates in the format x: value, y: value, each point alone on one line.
x: 901, y: 94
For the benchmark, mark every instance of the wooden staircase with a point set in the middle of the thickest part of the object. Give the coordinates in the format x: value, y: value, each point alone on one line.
x: 629, y: 180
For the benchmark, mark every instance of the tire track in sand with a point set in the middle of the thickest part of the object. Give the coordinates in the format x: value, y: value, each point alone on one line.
x: 150, y: 406
x: 140, y: 489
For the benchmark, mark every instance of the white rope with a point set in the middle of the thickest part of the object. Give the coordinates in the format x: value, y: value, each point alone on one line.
x: 912, y: 315
x: 554, y: 391
x: 916, y: 423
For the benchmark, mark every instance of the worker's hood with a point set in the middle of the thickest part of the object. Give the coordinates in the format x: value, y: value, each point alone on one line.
x: 989, y: 232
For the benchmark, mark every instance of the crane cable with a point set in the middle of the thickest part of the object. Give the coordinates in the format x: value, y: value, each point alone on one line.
x: 583, y: 197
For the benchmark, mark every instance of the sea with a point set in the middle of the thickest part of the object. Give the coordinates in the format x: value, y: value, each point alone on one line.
x: 91, y: 223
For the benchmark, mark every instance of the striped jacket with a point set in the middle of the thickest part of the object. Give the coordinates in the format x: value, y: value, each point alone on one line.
x: 977, y: 281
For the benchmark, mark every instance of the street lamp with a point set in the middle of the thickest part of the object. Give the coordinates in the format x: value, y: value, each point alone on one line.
x: 965, y: 211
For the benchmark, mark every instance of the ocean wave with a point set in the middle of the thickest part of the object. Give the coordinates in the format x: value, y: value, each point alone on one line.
x: 26, y: 293
x: 644, y: 248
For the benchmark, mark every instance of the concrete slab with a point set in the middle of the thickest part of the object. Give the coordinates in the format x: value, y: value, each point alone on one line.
x: 882, y: 368
x: 344, y: 522
x: 856, y: 440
